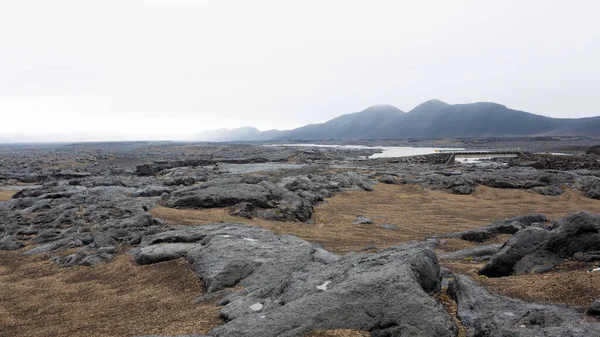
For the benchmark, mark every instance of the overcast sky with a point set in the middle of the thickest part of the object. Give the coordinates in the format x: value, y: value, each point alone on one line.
x: 96, y: 70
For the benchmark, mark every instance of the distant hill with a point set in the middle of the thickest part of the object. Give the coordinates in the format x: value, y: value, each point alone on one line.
x: 240, y: 134
x: 432, y: 119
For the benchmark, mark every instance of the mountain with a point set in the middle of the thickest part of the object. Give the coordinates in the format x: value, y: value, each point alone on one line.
x: 431, y: 119
x: 359, y: 125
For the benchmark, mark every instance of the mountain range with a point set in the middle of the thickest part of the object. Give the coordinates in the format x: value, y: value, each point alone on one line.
x: 430, y: 120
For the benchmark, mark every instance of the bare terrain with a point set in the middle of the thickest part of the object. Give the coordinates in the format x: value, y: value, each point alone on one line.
x: 95, y: 240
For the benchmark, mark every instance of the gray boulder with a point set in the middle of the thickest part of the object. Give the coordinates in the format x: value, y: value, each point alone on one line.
x: 290, y: 287
x: 588, y: 256
x: 179, y: 181
x: 362, y: 220
x: 479, y: 253
x: 594, y: 193
x: 163, y: 252
x: 388, y: 226
x: 9, y: 243
x: 485, y: 314
x: 551, y: 190
x: 151, y: 191
x: 516, y: 248
x: 508, y: 226
x: 271, y: 201
x: 594, y: 309
x: 388, y: 179
x: 536, y: 250
x: 244, y: 210
x: 222, y: 196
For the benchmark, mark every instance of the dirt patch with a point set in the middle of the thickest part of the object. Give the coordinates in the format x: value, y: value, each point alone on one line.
x: 6, y: 194
x: 569, y: 283
x: 418, y: 213
x: 112, y: 299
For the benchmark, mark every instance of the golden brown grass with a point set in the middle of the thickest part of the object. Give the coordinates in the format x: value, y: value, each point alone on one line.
x: 569, y: 283
x: 111, y: 299
x: 417, y: 212
x: 452, y: 308
x: 6, y: 194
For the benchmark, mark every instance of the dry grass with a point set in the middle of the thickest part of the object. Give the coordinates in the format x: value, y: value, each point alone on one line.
x: 6, y: 194
x: 113, y: 299
x: 569, y: 283
x: 418, y: 213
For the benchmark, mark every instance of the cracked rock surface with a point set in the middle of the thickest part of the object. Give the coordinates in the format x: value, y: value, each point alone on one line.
x: 485, y: 314
x: 291, y: 287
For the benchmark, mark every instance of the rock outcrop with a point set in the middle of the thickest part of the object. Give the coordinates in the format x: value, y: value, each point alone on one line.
x: 485, y: 314
x: 535, y: 250
x: 96, y: 220
x: 508, y: 226
x: 290, y: 198
x: 291, y: 287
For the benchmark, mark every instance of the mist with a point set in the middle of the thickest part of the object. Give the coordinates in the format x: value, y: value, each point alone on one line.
x: 125, y: 70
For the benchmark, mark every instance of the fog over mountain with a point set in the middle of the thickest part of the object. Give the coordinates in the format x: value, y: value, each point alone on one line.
x: 431, y: 119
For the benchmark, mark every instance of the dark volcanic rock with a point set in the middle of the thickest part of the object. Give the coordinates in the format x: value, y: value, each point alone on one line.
x: 479, y: 253
x: 587, y: 256
x: 64, y: 217
x: 580, y: 173
x: 388, y: 180
x: 291, y: 198
x: 593, y: 150
x: 594, y: 309
x: 244, y: 210
x: 442, y: 180
x: 476, y: 235
x: 291, y: 287
x: 8, y: 243
x: 362, y: 220
x: 535, y: 250
x: 525, y: 242
x: 490, y: 315
x: 548, y: 190
x: 159, y: 253
x: 151, y: 191
x: 222, y: 196
x: 181, y: 181
x: 508, y: 226
x: 594, y: 193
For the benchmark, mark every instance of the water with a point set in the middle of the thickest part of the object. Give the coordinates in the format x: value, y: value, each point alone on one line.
x: 398, y: 151
x: 388, y: 151
x: 480, y: 162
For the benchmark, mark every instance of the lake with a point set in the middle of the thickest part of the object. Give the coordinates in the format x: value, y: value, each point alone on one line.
x: 388, y: 151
